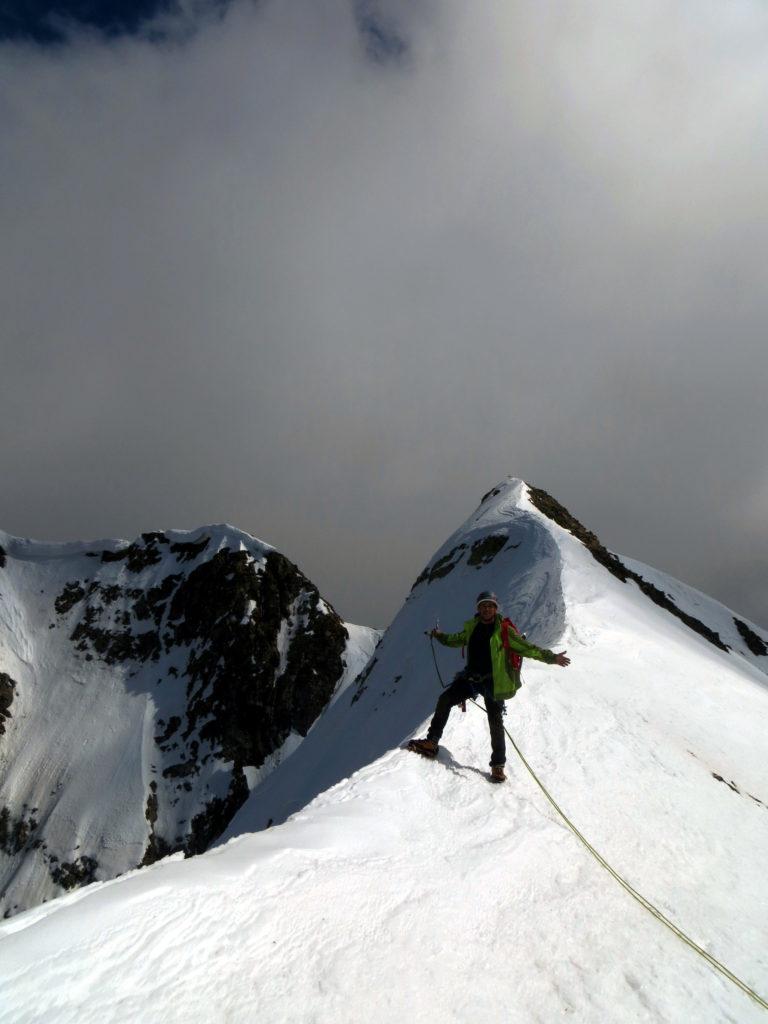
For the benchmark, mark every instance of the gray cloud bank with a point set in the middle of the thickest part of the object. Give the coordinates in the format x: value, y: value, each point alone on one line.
x: 260, y: 276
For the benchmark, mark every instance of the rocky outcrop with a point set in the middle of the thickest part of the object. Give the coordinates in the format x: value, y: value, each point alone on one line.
x: 7, y: 693
x: 230, y: 649
x: 755, y: 643
x: 552, y: 508
x: 480, y: 553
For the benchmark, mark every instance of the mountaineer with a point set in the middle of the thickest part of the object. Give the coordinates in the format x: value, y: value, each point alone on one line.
x: 494, y: 654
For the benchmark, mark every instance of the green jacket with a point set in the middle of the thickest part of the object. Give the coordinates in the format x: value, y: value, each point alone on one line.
x: 506, y: 678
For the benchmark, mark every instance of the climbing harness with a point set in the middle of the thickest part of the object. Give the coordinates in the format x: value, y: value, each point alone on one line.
x: 653, y: 910
x: 444, y: 686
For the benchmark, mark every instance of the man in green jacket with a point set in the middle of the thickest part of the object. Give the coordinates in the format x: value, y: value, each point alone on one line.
x: 491, y: 670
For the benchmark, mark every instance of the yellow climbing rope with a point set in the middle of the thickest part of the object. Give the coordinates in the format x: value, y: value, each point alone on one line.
x: 711, y: 960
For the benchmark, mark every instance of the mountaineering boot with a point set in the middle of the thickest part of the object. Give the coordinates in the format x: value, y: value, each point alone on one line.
x: 497, y: 773
x: 427, y: 748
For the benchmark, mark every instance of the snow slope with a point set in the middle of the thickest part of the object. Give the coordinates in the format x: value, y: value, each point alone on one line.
x: 412, y: 889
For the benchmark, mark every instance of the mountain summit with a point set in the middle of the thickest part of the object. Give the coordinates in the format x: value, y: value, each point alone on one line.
x: 389, y: 887
x: 144, y: 688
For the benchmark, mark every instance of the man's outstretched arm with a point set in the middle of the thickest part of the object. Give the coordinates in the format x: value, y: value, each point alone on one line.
x: 449, y: 639
x: 529, y: 650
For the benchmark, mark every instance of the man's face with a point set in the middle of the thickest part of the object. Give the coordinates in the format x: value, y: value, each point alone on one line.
x: 487, y: 610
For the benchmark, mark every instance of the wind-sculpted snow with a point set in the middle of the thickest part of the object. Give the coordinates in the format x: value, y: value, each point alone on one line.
x: 414, y: 890
x: 142, y: 686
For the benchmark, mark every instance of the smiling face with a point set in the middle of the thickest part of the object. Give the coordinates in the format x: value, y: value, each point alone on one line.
x: 487, y: 611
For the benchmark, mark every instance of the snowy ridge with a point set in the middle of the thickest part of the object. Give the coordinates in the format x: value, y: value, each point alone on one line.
x: 397, y: 691
x: 221, y: 535
x: 722, y: 619
x: 405, y: 888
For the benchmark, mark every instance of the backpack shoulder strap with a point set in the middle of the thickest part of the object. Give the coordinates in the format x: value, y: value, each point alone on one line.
x: 505, y: 625
x: 516, y: 659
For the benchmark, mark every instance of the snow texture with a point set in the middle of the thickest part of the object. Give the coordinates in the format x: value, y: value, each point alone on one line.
x: 121, y: 740
x: 390, y: 887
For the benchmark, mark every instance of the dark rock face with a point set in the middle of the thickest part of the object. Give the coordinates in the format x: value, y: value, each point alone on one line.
x: 139, y: 556
x: 68, y: 598
x: 7, y: 693
x: 72, y: 875
x: 732, y: 786
x: 16, y: 831
x: 205, y: 655
x: 213, y: 819
x: 490, y: 494
x: 188, y: 552
x: 552, y: 508
x: 157, y: 847
x: 755, y: 643
x: 480, y: 553
x: 442, y: 566
x: 2, y: 557
x: 485, y: 550
x: 257, y: 649
x: 233, y: 687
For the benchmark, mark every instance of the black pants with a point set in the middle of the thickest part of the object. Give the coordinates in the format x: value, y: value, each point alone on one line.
x: 462, y: 688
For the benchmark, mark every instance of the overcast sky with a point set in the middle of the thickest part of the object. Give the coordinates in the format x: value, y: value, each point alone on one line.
x: 330, y: 271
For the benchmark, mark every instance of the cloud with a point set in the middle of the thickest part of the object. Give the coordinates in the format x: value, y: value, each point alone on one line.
x: 331, y: 270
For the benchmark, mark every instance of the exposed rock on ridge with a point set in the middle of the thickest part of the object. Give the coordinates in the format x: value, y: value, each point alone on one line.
x: 552, y: 508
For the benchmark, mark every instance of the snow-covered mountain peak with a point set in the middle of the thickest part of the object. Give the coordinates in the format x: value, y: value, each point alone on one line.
x: 144, y: 686
x: 362, y: 882
x: 217, y: 536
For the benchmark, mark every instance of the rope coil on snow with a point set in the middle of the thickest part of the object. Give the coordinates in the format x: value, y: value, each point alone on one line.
x: 653, y: 910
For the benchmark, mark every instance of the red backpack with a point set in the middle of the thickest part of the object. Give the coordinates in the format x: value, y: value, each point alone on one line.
x: 513, y: 657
